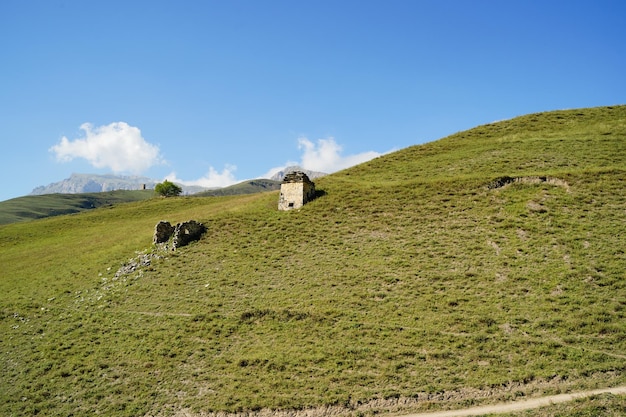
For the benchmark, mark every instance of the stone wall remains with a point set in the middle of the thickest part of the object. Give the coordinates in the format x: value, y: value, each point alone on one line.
x: 163, y: 231
x: 187, y: 232
x: 181, y: 235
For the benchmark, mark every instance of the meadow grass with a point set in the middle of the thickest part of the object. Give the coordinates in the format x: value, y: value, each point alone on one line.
x: 408, y: 276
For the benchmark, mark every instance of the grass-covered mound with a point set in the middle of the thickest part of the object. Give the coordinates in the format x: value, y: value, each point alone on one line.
x: 416, y: 275
x: 40, y: 206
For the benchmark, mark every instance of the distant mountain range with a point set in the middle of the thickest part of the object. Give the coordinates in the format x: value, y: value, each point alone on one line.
x: 93, y: 183
x: 311, y: 174
x: 82, y: 192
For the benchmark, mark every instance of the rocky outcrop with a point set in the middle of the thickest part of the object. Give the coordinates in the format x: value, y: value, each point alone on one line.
x: 181, y: 235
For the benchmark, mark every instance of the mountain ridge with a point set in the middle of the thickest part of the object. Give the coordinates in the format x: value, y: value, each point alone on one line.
x: 95, y: 183
x: 79, y: 183
x: 280, y: 175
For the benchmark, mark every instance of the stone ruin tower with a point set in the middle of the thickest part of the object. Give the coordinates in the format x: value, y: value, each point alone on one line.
x: 295, y: 191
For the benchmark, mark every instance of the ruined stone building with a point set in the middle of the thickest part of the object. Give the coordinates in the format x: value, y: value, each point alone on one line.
x: 181, y: 234
x: 295, y: 191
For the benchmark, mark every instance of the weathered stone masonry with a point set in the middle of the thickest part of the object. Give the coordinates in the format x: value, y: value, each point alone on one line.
x: 295, y: 191
x: 181, y: 235
x: 163, y: 231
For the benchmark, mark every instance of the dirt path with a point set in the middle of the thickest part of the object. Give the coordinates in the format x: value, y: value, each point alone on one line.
x: 520, y: 405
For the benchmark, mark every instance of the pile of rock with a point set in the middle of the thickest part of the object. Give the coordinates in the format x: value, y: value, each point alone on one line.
x: 142, y: 260
x: 181, y: 235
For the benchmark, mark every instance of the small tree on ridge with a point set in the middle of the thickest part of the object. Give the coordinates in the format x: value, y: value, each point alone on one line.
x: 167, y: 189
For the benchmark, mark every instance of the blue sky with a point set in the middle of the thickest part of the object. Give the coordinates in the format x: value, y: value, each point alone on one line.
x: 216, y: 92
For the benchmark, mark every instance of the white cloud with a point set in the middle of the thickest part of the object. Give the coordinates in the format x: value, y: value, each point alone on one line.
x: 117, y: 146
x: 212, y: 179
x: 325, y: 155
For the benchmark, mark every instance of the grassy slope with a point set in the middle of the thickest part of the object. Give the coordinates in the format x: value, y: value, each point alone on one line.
x: 408, y: 276
x: 40, y: 206
x: 245, y: 187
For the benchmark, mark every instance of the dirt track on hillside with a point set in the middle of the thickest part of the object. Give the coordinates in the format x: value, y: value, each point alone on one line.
x: 521, y: 405
x: 389, y: 409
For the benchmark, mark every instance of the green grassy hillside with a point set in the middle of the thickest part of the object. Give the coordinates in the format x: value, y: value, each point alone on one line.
x: 246, y: 187
x: 413, y: 283
x: 47, y: 205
